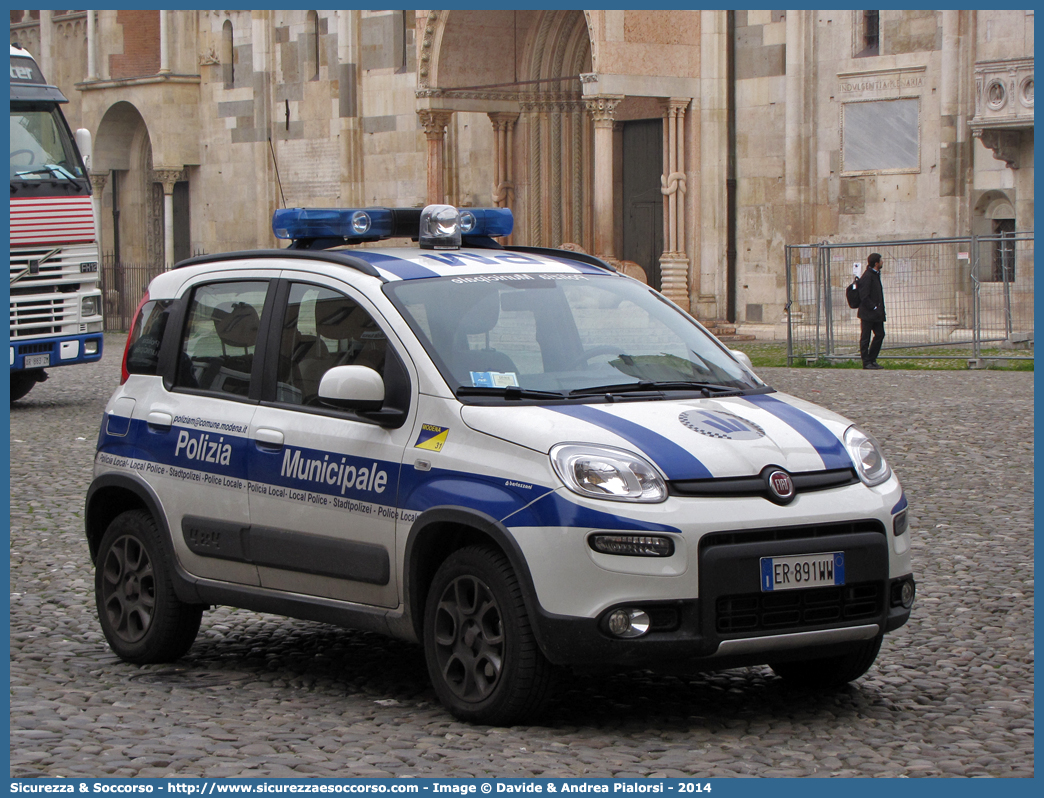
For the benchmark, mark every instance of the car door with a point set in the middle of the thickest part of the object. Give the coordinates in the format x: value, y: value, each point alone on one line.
x: 324, y: 482
x: 197, y: 423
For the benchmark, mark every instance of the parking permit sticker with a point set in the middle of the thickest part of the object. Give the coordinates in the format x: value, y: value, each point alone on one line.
x: 432, y: 437
x: 494, y: 379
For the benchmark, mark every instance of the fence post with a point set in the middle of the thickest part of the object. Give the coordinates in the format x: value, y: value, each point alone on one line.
x: 976, y: 311
x: 790, y: 304
x: 828, y: 291
x: 1007, y: 268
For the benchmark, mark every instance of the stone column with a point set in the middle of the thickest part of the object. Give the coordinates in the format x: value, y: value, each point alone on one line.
x: 674, y: 263
x: 951, y: 126
x: 98, y: 181
x: 434, y: 121
x: 92, y: 48
x: 164, y: 47
x: 168, y: 177
x: 503, y: 159
x: 602, y: 110
x: 711, y: 253
x: 43, y: 58
x: 349, y: 107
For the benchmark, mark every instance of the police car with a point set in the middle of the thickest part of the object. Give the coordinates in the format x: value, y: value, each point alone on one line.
x: 517, y: 457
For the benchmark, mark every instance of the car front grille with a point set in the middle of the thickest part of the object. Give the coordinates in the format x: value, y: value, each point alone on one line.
x: 798, y: 609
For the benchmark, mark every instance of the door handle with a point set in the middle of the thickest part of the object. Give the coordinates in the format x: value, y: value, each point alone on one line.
x: 160, y: 420
x: 271, y: 438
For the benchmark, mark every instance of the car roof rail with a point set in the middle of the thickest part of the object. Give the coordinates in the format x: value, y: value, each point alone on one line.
x: 340, y: 258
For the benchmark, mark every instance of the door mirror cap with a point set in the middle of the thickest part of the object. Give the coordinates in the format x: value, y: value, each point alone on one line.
x: 352, y: 388
x: 742, y: 358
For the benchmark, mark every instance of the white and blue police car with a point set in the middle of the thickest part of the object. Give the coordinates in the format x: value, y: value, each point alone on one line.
x: 517, y: 457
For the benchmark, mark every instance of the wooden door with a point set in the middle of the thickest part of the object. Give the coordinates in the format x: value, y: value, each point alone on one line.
x: 642, y: 200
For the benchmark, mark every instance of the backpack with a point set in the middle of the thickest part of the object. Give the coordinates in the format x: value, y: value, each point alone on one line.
x: 852, y: 294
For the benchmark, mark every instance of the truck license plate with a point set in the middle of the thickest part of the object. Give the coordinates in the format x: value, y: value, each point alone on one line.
x: 803, y: 570
x: 37, y: 361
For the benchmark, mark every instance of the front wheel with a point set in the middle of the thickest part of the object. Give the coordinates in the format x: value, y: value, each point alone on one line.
x: 479, y: 645
x: 23, y: 381
x: 141, y: 616
x: 830, y: 672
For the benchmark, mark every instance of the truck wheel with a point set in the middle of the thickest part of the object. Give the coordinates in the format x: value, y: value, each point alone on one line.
x: 141, y: 616
x: 22, y: 382
x: 830, y: 672
x: 482, y: 656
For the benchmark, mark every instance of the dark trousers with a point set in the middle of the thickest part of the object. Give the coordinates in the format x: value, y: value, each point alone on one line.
x: 870, y: 349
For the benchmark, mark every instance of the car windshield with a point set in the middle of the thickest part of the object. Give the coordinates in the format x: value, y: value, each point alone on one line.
x: 557, y: 335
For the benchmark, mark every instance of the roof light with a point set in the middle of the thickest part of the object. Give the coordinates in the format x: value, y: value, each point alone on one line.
x: 492, y: 222
x: 440, y: 227
x: 361, y: 225
x: 436, y: 227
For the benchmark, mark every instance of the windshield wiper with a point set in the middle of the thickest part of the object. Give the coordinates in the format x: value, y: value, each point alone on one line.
x: 706, y: 388
x: 508, y: 392
x: 51, y: 169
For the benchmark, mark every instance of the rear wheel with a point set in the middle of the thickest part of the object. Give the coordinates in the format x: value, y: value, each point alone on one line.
x: 830, y: 672
x: 478, y: 642
x: 141, y: 616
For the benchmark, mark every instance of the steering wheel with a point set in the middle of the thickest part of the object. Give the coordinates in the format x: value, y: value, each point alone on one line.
x: 594, y: 351
x: 30, y: 153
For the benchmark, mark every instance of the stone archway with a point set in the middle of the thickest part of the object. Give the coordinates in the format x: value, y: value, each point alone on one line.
x: 558, y: 133
x: 521, y: 69
x: 131, y: 215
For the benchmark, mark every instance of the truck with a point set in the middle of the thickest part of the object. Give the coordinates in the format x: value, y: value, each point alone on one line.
x: 56, y: 298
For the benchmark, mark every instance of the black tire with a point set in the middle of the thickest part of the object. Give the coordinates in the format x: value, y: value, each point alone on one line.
x: 482, y: 657
x: 22, y: 382
x: 141, y: 616
x: 830, y: 672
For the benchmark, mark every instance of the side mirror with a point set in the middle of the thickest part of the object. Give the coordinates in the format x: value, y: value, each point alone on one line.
x: 83, y: 143
x: 357, y: 388
x: 742, y: 358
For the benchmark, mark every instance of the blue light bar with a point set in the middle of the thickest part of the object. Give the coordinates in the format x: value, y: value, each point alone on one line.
x: 367, y: 224
x: 356, y: 225
x: 491, y: 222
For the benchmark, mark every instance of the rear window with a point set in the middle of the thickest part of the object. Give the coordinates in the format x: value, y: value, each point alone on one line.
x: 145, y: 337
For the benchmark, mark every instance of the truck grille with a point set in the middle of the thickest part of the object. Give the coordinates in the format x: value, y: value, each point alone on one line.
x: 43, y: 316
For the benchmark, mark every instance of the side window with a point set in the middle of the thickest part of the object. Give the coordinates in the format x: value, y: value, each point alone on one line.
x: 217, y: 350
x: 322, y: 329
x: 145, y: 339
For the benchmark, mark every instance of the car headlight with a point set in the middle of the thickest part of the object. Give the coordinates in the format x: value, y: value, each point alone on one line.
x: 603, y: 472
x: 870, y: 463
x: 90, y: 306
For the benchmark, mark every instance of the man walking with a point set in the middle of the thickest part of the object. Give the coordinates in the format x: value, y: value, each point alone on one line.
x: 871, y: 312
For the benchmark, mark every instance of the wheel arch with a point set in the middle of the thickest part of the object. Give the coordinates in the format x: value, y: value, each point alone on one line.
x: 440, y: 531
x: 113, y: 494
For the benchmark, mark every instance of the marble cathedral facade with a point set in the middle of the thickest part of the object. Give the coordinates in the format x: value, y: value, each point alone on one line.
x: 691, y: 146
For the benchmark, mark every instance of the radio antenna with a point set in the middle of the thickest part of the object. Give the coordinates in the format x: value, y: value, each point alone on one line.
x: 275, y: 163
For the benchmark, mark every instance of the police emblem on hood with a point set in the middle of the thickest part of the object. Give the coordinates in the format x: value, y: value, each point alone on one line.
x: 717, y: 424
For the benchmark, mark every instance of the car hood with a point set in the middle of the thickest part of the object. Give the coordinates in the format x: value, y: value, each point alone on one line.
x: 686, y: 439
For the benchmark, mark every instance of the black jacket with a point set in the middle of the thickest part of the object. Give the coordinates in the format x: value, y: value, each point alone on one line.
x: 871, y: 296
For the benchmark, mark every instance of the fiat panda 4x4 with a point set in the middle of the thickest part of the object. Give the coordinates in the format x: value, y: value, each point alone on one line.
x: 517, y: 457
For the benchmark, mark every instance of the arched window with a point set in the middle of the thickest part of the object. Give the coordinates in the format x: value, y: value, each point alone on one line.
x: 228, y: 54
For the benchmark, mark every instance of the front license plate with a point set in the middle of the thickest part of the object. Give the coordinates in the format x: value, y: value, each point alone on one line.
x: 37, y: 361
x: 803, y: 570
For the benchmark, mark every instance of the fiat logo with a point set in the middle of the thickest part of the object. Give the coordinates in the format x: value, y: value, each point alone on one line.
x: 781, y: 485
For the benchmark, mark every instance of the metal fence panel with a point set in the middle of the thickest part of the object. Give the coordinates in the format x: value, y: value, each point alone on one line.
x: 123, y: 286
x: 939, y: 293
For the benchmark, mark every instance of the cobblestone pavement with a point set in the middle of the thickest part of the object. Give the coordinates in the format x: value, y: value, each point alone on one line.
x: 951, y: 694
